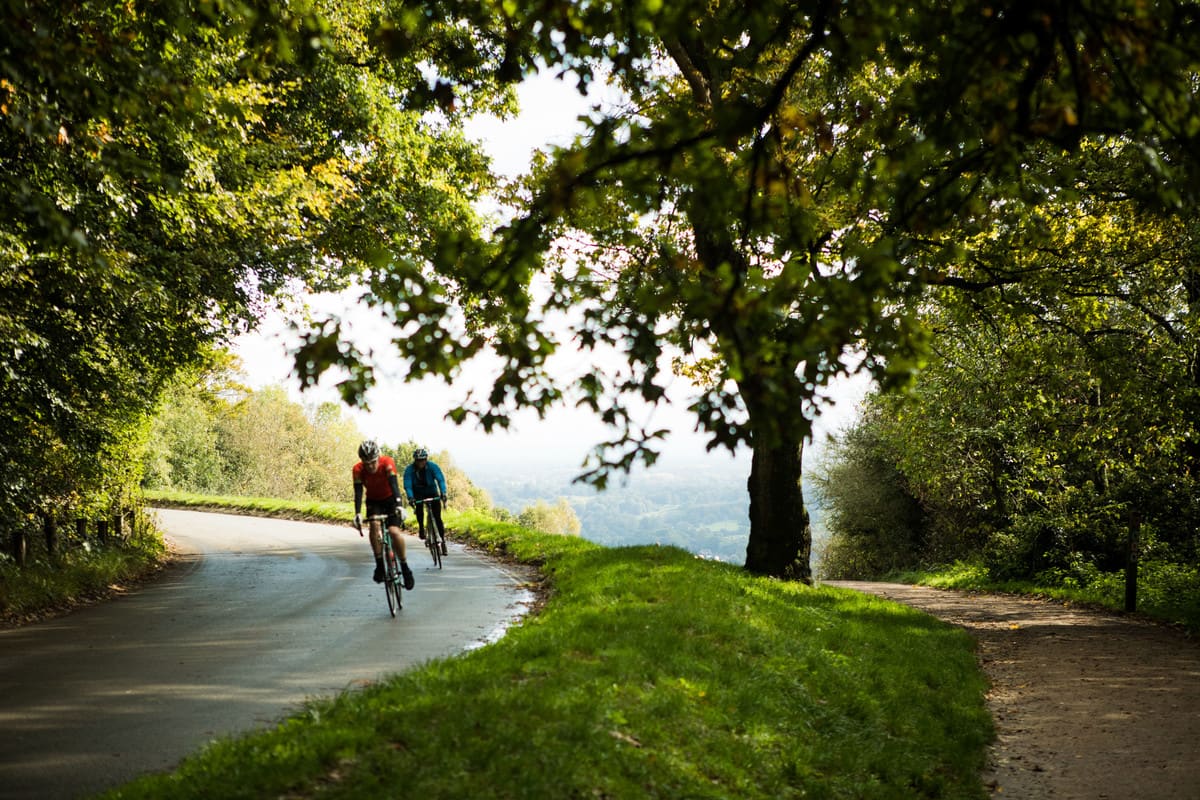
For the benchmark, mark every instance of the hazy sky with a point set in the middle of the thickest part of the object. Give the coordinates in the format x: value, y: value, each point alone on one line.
x: 401, y: 411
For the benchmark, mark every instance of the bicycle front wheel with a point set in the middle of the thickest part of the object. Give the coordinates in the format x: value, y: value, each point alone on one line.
x: 431, y: 541
x: 391, y: 582
x: 393, y: 595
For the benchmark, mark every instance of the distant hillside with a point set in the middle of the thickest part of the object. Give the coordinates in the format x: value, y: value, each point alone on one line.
x: 701, y: 508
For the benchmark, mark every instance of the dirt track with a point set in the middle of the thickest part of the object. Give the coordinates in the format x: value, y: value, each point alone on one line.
x: 1087, y: 704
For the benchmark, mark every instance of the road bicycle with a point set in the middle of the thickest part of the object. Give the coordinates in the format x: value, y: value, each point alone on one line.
x: 435, y: 534
x: 392, y: 579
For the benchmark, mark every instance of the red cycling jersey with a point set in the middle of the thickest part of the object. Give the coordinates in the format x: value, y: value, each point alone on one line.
x: 376, y: 483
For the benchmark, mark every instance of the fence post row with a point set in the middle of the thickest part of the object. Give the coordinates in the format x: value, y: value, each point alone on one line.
x: 19, y: 542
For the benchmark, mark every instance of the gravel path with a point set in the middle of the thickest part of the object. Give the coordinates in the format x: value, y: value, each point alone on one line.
x: 1087, y: 704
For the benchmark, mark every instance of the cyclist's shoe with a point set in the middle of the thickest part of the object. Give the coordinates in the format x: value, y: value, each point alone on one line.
x: 408, y: 576
x: 422, y: 535
x: 378, y: 578
x: 444, y: 551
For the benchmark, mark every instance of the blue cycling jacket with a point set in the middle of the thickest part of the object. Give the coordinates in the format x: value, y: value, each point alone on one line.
x: 421, y: 484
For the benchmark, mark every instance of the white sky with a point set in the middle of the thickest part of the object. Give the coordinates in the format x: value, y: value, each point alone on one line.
x: 402, y: 411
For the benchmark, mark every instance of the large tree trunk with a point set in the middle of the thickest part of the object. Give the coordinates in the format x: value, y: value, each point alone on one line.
x: 780, y: 538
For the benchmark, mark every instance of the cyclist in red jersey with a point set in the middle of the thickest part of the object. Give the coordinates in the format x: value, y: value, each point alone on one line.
x: 375, y: 478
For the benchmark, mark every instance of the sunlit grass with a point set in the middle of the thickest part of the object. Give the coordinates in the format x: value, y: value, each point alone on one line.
x: 647, y: 673
x: 291, y: 509
x: 1166, y: 591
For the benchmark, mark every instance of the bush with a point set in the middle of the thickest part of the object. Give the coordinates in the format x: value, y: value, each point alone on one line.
x: 875, y: 526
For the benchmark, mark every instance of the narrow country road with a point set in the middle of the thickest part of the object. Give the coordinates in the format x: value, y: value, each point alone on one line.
x: 1088, y: 705
x: 258, y: 615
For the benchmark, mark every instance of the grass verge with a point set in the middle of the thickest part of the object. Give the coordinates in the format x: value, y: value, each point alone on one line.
x: 647, y: 673
x: 79, y: 573
x: 1167, y: 592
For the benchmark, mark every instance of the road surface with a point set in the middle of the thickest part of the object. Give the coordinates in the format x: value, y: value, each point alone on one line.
x: 258, y: 616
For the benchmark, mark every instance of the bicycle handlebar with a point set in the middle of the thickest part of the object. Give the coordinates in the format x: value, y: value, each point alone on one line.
x: 428, y: 500
x: 369, y: 518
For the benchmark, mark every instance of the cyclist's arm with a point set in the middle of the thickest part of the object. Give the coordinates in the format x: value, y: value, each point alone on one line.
x: 440, y: 478
x: 358, y: 496
x: 408, y: 478
x: 395, y: 486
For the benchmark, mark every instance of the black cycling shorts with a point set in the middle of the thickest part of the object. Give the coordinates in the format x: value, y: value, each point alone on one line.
x: 395, y: 514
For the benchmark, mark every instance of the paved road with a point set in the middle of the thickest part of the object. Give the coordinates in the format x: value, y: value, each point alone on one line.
x: 258, y: 616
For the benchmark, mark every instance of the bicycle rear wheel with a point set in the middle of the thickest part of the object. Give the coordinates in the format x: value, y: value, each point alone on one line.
x: 431, y: 541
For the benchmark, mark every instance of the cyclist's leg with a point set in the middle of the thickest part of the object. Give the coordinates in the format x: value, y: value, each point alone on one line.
x: 394, y: 522
x: 377, y: 548
x: 376, y: 541
x: 419, y: 512
x: 435, y: 516
x: 398, y: 541
x: 374, y: 509
x: 397, y: 535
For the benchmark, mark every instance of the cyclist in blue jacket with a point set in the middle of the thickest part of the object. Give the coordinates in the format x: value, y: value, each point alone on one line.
x: 423, y: 480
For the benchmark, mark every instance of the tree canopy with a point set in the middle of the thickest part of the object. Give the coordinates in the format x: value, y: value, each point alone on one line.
x: 773, y: 200
x: 1059, y: 403
x: 784, y: 183
x: 167, y: 172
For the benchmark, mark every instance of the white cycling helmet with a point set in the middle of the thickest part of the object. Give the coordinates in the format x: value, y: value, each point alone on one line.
x: 368, y: 450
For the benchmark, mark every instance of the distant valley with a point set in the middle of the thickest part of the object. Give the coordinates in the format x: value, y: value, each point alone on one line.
x: 702, y: 508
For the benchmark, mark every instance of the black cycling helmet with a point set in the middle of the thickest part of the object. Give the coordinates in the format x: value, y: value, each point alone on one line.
x: 420, y: 454
x: 368, y: 450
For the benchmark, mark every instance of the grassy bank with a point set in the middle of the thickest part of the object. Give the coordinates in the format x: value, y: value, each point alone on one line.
x: 647, y: 673
x: 78, y: 573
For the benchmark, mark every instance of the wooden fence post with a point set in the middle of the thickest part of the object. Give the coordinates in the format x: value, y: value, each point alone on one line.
x: 102, y: 530
x: 81, y: 529
x: 1131, y: 562
x: 51, y: 533
x: 119, y: 525
x: 19, y: 546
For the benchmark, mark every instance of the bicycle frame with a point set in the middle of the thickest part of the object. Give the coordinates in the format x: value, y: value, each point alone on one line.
x: 435, y: 535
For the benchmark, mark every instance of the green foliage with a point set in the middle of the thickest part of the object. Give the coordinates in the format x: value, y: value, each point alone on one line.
x: 798, y: 177
x: 559, y: 518
x: 794, y: 190
x: 278, y: 448
x: 648, y: 673
x: 213, y: 436
x: 878, y: 526
x: 167, y: 173
x: 1061, y: 399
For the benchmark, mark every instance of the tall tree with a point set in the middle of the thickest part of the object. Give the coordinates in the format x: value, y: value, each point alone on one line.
x: 783, y: 181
